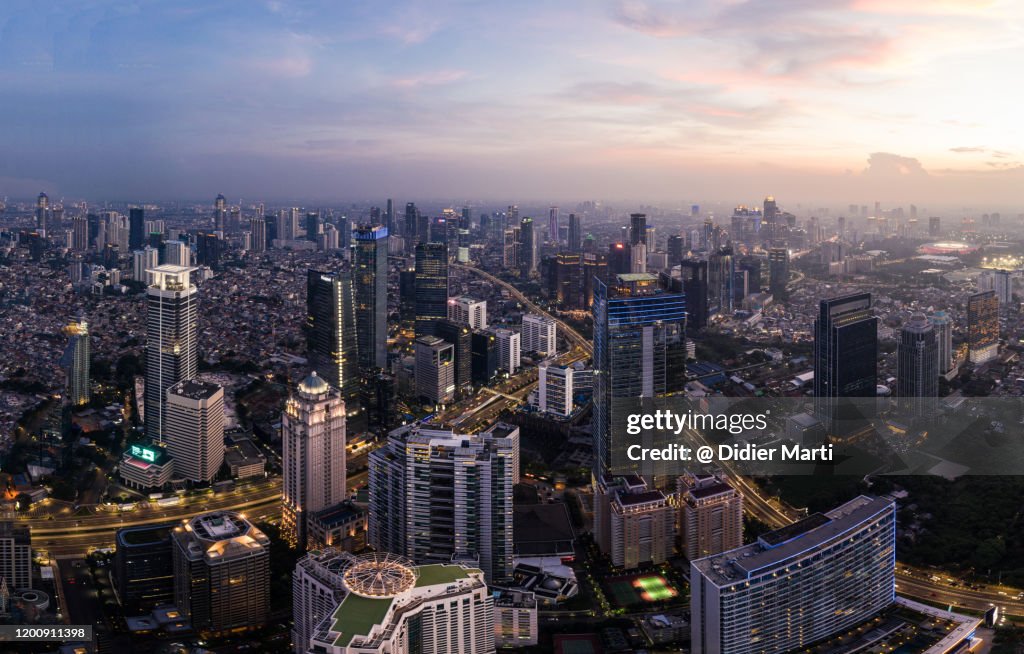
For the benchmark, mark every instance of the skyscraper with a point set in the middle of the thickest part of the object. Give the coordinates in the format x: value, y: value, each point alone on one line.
x: 676, y: 249
x: 42, y: 211
x: 798, y: 585
x: 710, y: 515
x: 555, y: 389
x: 437, y: 496
x: 16, y: 555
x: 639, y: 351
x: 172, y: 350
x: 944, y: 340
x: 136, y: 228
x: 76, y: 361
x: 778, y: 273
x: 332, y: 343
x: 460, y: 336
x: 258, y: 227
x: 553, y: 225
x: 509, y: 350
x: 389, y: 217
x: 371, y: 288
x: 143, y: 569
x: 983, y: 327
x: 468, y: 311
x: 435, y: 370
x: 221, y: 572
x: 194, y: 429
x: 637, y: 228
x: 313, y: 447
x: 539, y: 334
x: 770, y: 216
x: 484, y: 348
x: 317, y: 589
x: 845, y: 357
x: 431, y: 286
x: 527, y: 247
x: 220, y: 213
x: 575, y: 232
x: 917, y: 376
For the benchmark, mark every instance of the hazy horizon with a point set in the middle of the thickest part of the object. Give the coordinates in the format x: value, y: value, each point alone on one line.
x: 820, y: 102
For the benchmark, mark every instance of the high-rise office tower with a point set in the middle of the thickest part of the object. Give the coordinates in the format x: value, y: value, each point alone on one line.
x: 982, y: 327
x: 638, y: 258
x: 555, y: 389
x: 437, y: 496
x: 143, y: 260
x: 313, y: 226
x: 371, y: 286
x: 468, y: 311
x: 934, y: 226
x: 221, y: 572
x: 568, y: 280
x: 509, y: 350
x: 317, y: 589
x: 392, y: 605
x: 389, y: 217
x: 208, y: 250
x: 313, y: 447
x: 136, y: 228
x: 796, y: 586
x: 80, y: 233
x: 177, y: 253
x: 917, y: 376
x: 172, y: 350
x: 575, y: 232
x: 710, y: 515
x: 770, y: 217
x: 484, y: 349
x: 618, y: 259
x: 407, y: 297
x: 639, y: 351
x: 527, y: 247
x: 944, y: 340
x: 539, y: 334
x: 431, y: 286
x: 42, y: 211
x: 637, y: 228
x: 76, y: 362
x: 595, y: 266
x: 721, y: 280
x: 194, y: 429
x: 460, y: 336
x: 332, y: 343
x: 143, y: 570
x: 845, y: 357
x: 220, y: 213
x: 695, y: 285
x: 676, y: 249
x: 258, y: 227
x: 16, y: 555
x: 553, y: 225
x: 778, y: 273
x: 435, y: 369
x: 510, y: 249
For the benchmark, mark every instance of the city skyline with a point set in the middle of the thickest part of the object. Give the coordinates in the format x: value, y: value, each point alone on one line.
x: 805, y: 100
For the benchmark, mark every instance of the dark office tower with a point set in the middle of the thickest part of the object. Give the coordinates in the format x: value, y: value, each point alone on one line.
x: 258, y: 229
x: 484, y: 352
x: 695, y: 285
x: 220, y: 213
x: 111, y: 254
x: 234, y: 220
x: 312, y: 226
x: 982, y: 327
x: 845, y: 359
x: 721, y: 280
x: 770, y: 218
x: 407, y: 298
x: 371, y: 282
x: 208, y: 250
x: 423, y: 231
x: 841, y: 227
x: 568, y: 287
x: 917, y: 376
x: 80, y: 231
x: 375, y: 215
x: 389, y: 217
x: 332, y: 344
x: 778, y: 273
x: 527, y: 247
x: 42, y: 209
x: 378, y: 398
x: 136, y: 228
x: 618, y: 259
x: 411, y: 221
x: 638, y: 337
x: 637, y: 228
x: 676, y: 248
x: 431, y: 286
x: 934, y: 226
x: 460, y: 336
x: 93, y: 221
x: 172, y: 350
x: 595, y: 266
x: 143, y: 568
x: 465, y: 219
x: 575, y: 232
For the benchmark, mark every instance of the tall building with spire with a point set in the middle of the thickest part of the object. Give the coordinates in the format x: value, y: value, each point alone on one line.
x: 76, y: 362
x: 172, y: 350
x: 332, y: 343
x: 313, y: 446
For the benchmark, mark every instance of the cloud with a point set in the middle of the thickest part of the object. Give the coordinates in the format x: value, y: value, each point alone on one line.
x: 964, y: 149
x: 432, y: 78
x: 888, y: 165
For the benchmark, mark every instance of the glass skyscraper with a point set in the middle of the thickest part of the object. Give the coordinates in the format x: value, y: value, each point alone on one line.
x: 431, y: 286
x: 172, y: 353
x: 845, y: 358
x: 371, y: 288
x: 332, y: 343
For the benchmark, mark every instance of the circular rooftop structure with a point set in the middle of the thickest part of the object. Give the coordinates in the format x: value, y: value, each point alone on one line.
x: 380, y: 575
x: 947, y: 248
x: 313, y: 385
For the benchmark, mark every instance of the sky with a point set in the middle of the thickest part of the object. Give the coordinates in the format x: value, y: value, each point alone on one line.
x: 835, y: 101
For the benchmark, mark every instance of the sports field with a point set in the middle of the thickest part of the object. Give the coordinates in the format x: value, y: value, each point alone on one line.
x: 628, y: 590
